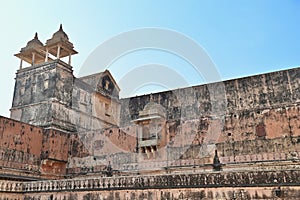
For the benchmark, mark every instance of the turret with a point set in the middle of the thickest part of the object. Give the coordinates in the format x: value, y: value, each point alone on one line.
x: 33, y: 53
x: 43, y: 91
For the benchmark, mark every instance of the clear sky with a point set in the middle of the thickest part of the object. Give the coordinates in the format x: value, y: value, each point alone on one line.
x: 241, y: 37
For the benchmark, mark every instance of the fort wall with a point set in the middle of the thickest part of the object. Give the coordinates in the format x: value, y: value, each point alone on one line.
x: 31, y: 152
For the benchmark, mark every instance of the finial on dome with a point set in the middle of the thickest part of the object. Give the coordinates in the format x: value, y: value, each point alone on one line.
x: 60, y: 27
x: 36, y: 35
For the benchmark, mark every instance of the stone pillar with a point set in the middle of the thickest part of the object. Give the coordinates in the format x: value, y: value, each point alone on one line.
x: 33, y: 58
x: 153, y: 152
x: 21, y: 64
x: 140, y: 133
x: 147, y: 152
x: 47, y: 52
x: 58, y: 52
x: 69, y: 59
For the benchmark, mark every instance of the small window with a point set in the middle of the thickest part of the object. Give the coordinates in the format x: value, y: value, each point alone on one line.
x: 84, y: 98
x: 260, y: 131
x: 46, y: 81
x: 107, y: 109
x: 22, y: 90
x: 34, y: 87
x: 146, y: 133
x: 46, y: 84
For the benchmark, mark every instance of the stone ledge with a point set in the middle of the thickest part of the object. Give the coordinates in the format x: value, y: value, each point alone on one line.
x: 193, y: 180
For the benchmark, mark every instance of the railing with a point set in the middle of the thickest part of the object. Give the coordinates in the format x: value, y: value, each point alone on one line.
x: 238, y: 159
x: 193, y: 180
x: 148, y: 142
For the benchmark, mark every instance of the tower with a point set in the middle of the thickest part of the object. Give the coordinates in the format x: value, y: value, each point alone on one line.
x: 43, y: 91
x: 48, y: 95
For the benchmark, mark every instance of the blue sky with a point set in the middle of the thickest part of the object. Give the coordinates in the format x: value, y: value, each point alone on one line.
x: 241, y: 37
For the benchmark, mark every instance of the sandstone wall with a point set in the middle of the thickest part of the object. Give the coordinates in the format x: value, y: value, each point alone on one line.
x: 252, y: 119
x: 246, y: 99
x: 30, y: 151
x: 258, y: 107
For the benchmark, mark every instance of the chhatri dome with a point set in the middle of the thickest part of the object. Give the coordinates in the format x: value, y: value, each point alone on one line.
x: 57, y: 47
x: 33, y: 53
x: 60, y: 34
x: 32, y: 44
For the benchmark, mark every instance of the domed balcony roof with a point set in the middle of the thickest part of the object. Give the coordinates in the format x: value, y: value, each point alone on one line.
x: 34, y: 46
x: 60, y: 38
x: 151, y: 111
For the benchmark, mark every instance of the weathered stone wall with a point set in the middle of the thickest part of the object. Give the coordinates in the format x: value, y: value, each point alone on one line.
x: 54, y: 155
x: 260, y: 107
x: 48, y: 95
x: 264, y: 123
x: 97, y: 97
x: 245, y: 98
x: 112, y: 145
x: 21, y: 146
x: 31, y: 151
x: 276, y: 137
x: 257, y: 131
x: 286, y: 146
x: 37, y: 88
x: 35, y: 84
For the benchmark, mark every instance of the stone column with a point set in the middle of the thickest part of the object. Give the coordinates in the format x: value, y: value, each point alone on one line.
x: 70, y: 59
x: 47, y: 52
x: 58, y: 52
x: 33, y: 58
x: 21, y: 64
